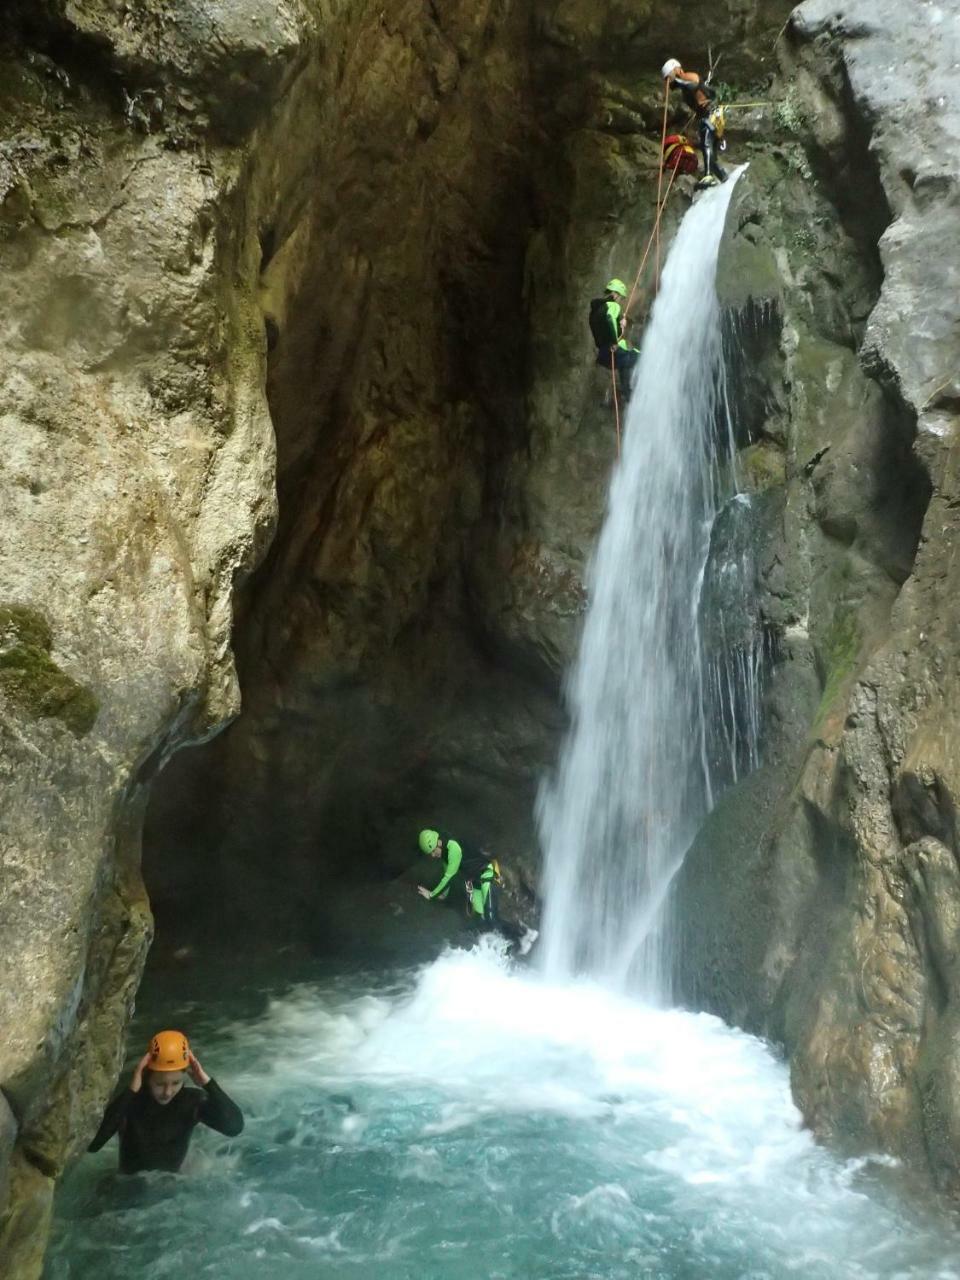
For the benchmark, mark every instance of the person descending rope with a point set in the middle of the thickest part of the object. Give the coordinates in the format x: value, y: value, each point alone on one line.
x: 699, y: 95
x: 607, y: 327
x: 480, y: 874
x: 155, y: 1123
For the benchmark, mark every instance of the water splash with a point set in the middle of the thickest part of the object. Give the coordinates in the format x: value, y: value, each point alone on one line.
x: 471, y: 1121
x: 635, y: 778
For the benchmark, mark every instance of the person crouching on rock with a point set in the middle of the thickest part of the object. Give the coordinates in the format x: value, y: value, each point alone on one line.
x: 155, y: 1116
x: 480, y: 875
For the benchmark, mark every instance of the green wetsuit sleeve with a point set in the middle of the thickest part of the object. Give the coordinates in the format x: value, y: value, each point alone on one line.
x: 613, y: 315
x: 112, y: 1118
x: 450, y: 868
x: 220, y: 1112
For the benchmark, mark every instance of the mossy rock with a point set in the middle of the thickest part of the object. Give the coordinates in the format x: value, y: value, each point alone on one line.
x: 839, y: 654
x: 32, y: 680
x: 762, y: 466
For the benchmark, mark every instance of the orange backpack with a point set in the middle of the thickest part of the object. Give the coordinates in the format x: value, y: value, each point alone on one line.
x: 678, y: 154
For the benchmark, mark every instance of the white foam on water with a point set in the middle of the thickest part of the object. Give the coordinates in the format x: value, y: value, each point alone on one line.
x: 482, y: 1122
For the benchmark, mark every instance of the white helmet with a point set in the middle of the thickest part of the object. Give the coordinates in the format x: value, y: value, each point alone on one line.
x: 669, y: 67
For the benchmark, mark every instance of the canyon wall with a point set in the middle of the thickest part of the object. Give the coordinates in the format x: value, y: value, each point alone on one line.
x: 304, y: 286
x: 819, y: 904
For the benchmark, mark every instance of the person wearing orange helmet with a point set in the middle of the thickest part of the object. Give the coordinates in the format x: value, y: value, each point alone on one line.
x: 155, y: 1123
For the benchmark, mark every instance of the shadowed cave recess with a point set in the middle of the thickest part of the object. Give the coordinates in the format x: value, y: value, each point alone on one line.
x: 443, y: 451
x: 371, y: 236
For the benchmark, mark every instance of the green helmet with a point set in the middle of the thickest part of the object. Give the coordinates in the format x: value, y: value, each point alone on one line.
x: 616, y: 286
x: 429, y: 841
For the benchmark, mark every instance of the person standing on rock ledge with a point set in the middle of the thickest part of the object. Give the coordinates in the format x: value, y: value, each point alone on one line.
x: 699, y: 96
x: 156, y: 1123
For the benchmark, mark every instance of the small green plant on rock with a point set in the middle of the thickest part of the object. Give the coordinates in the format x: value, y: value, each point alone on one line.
x: 790, y: 115
x: 839, y: 653
x: 32, y: 680
x: 796, y: 160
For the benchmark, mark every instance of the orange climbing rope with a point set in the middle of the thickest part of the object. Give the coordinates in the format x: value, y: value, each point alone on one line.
x: 616, y: 399
x: 663, y: 143
x: 646, y: 253
x: 654, y: 234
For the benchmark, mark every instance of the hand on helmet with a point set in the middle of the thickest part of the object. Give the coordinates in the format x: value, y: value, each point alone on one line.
x: 136, y: 1080
x: 196, y: 1071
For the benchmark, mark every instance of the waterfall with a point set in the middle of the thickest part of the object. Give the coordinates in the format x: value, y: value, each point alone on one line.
x: 634, y: 779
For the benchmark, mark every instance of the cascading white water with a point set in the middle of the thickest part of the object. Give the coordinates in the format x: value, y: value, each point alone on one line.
x: 634, y: 781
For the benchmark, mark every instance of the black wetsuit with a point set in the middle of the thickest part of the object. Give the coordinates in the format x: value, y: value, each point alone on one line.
x: 157, y: 1137
x: 707, y: 134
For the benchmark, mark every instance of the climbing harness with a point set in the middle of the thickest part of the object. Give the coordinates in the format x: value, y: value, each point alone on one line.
x: 484, y: 904
x: 717, y: 121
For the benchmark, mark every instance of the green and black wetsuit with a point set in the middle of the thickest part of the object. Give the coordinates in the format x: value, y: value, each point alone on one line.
x: 473, y: 865
x: 613, y: 350
x: 452, y: 857
x: 157, y: 1137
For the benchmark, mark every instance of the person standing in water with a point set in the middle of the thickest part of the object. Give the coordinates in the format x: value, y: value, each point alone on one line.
x: 155, y: 1116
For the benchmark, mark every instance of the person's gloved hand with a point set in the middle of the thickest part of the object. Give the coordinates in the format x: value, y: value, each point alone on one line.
x: 424, y: 893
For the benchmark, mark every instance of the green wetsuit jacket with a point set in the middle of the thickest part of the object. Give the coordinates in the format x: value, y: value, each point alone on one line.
x: 453, y: 856
x: 475, y: 867
x: 614, y: 311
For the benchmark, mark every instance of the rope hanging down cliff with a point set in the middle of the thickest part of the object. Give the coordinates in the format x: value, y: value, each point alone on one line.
x: 653, y: 238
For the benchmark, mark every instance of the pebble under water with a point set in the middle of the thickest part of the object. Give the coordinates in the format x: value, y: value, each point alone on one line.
x: 474, y: 1121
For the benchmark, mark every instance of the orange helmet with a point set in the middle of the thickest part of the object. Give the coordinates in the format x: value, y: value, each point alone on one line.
x: 169, y: 1051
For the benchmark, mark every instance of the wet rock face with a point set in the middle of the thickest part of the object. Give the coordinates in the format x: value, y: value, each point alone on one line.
x: 831, y: 874
x: 381, y: 226
x: 137, y: 487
